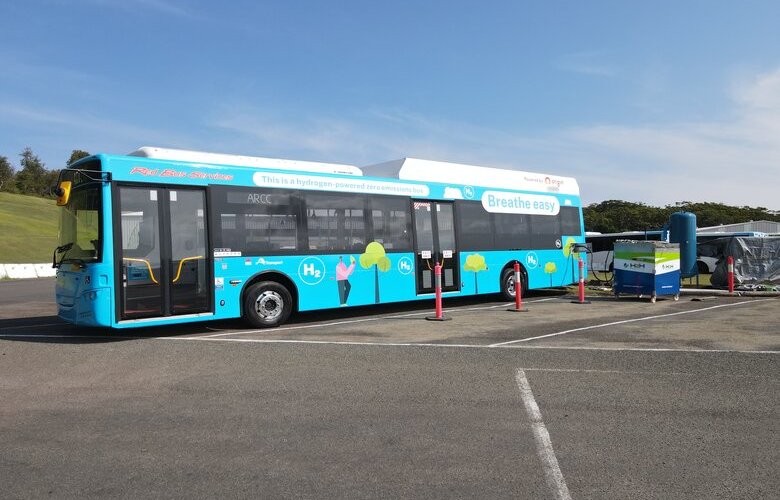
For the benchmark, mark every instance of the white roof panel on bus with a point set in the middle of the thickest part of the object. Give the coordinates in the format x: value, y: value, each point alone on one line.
x: 244, y: 161
x: 415, y: 169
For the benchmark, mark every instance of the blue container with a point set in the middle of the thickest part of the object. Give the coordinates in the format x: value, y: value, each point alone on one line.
x: 649, y: 268
x: 682, y: 230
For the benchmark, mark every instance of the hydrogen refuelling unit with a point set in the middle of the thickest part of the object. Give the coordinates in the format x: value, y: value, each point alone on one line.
x: 654, y: 268
x: 649, y: 268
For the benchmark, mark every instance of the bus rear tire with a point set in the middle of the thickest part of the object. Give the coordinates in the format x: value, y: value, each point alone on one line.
x: 508, y: 284
x: 267, y: 304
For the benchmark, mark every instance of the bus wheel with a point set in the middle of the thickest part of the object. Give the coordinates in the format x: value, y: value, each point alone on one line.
x: 508, y: 284
x: 267, y: 304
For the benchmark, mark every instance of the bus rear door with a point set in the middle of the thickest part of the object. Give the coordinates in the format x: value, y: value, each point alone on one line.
x: 434, y: 231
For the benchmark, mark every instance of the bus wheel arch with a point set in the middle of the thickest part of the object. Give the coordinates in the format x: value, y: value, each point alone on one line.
x: 507, y: 284
x: 268, y: 299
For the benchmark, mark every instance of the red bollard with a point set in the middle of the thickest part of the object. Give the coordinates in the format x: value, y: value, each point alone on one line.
x: 439, y: 311
x: 518, y: 291
x: 730, y: 263
x: 581, y: 267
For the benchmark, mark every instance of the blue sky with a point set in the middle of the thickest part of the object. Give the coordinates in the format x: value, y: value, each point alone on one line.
x: 654, y: 102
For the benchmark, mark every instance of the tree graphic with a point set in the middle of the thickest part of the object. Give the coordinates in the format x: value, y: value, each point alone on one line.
x: 475, y: 262
x: 550, y: 269
x: 375, y: 256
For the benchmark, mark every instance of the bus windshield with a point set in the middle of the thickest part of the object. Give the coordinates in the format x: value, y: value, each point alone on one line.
x: 80, y: 233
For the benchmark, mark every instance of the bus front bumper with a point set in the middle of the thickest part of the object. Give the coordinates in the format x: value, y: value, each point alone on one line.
x: 88, y: 308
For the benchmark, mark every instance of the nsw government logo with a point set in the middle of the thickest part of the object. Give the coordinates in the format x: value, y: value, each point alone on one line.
x: 531, y: 260
x: 405, y: 265
x: 311, y: 270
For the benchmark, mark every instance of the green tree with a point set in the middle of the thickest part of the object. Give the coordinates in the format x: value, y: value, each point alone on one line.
x: 375, y: 256
x: 715, y: 214
x: 50, y: 181
x: 76, y: 155
x: 475, y: 262
x: 6, y: 175
x: 31, y: 179
x: 614, y: 216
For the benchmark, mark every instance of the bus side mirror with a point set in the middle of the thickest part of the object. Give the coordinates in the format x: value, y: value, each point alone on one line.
x: 580, y: 248
x: 63, y: 193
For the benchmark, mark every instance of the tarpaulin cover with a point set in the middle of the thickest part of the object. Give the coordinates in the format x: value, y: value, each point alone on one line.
x: 756, y: 260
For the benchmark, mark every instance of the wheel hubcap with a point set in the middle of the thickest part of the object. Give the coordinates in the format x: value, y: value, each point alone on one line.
x: 269, y: 305
x: 510, y: 285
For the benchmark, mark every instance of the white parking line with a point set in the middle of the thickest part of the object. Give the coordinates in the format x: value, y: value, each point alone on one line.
x: 544, y: 448
x: 646, y: 318
x: 321, y: 342
x: 469, y: 346
x: 365, y: 320
x: 646, y: 373
x: 387, y: 344
x: 638, y: 349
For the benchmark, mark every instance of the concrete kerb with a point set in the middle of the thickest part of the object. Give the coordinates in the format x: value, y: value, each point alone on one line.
x: 725, y: 293
x: 45, y: 271
x: 696, y: 292
x: 26, y: 271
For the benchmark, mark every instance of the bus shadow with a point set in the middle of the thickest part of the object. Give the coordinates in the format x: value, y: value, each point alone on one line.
x: 50, y: 329
x: 415, y: 309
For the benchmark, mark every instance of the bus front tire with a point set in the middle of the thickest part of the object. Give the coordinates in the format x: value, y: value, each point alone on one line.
x: 267, y: 304
x: 508, y: 284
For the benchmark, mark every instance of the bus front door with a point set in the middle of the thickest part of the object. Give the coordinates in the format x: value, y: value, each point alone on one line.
x: 434, y: 231
x: 163, y: 262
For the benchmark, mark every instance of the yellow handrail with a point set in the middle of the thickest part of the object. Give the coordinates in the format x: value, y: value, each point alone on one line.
x: 181, y: 262
x: 148, y: 266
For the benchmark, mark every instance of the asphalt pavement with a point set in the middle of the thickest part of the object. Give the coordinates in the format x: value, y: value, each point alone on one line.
x: 670, y: 400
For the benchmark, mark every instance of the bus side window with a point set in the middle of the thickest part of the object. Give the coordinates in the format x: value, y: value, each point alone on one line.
x: 545, y: 230
x: 512, y: 231
x: 475, y: 226
x: 256, y: 221
x: 391, y: 222
x: 335, y: 222
x: 570, y: 221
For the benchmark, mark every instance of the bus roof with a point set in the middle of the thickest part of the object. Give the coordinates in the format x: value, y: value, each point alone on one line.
x: 415, y: 169
x: 408, y: 169
x: 244, y: 161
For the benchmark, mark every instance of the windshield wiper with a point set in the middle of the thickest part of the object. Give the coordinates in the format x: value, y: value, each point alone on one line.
x: 63, y: 249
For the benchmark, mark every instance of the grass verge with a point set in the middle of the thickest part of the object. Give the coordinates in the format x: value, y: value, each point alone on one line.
x: 28, y: 228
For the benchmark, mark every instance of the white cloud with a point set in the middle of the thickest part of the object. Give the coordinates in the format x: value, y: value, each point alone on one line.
x: 734, y: 161
x: 586, y: 63
x: 762, y: 93
x: 53, y: 133
x: 171, y: 7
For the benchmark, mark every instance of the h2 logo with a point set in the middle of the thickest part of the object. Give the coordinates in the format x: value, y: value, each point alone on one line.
x: 405, y: 265
x: 311, y: 270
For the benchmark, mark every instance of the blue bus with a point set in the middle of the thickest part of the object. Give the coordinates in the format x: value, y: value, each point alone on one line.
x: 164, y: 236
